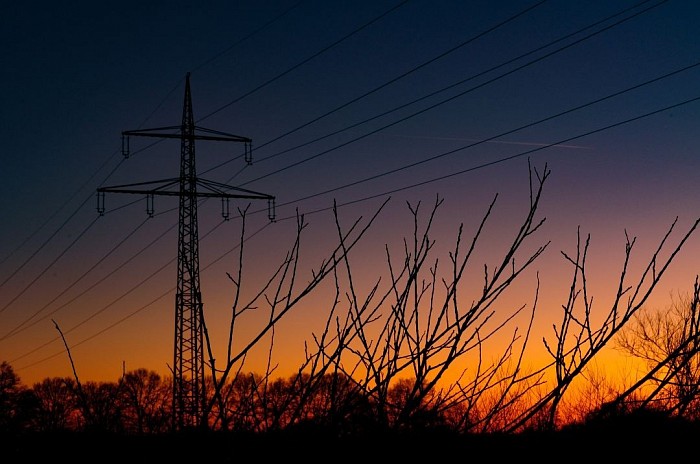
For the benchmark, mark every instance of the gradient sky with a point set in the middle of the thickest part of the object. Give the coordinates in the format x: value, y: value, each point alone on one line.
x: 452, y: 97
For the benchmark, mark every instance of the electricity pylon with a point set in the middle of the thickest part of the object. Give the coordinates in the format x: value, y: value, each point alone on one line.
x: 189, y: 393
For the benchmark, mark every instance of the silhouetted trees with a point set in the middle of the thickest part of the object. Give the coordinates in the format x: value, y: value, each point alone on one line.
x: 56, y: 407
x: 16, y: 402
x: 385, y: 360
x: 145, y: 401
x: 668, y: 341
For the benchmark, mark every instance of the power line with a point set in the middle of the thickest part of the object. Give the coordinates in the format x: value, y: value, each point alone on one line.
x: 384, y: 194
x: 48, y: 220
x: 109, y: 158
x: 26, y: 324
x: 375, y: 90
x: 437, y: 92
x: 495, y: 137
x: 63, y: 225
x: 528, y: 152
x: 488, y: 164
x: 446, y: 100
x: 407, y: 73
x: 243, y: 39
x: 51, y: 237
x: 46, y: 269
x: 133, y: 313
x: 303, y: 62
x: 462, y: 93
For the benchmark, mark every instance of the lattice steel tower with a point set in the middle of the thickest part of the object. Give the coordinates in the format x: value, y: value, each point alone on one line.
x: 189, y: 392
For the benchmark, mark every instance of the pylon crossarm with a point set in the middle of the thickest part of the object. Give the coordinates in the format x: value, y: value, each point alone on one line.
x: 162, y: 132
x: 228, y: 191
x: 121, y: 188
x: 225, y: 135
x: 153, y: 129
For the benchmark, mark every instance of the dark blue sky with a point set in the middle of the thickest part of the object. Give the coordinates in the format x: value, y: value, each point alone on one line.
x: 332, y: 94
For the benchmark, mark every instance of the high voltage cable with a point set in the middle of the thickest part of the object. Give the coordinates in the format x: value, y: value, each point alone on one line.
x: 320, y: 52
x: 482, y: 73
x: 109, y: 158
x: 267, y: 158
x: 49, y: 219
x: 26, y: 323
x: 95, y: 335
x: 133, y: 313
x: 383, y: 194
x: 513, y: 60
x: 107, y: 276
x: 46, y: 242
x: 449, y: 99
x: 518, y: 155
x: 376, y: 89
x: 492, y: 138
x: 407, y: 73
x: 62, y: 226
x: 364, y: 199
x: 405, y: 167
x: 243, y: 39
x: 277, y: 77
x: 414, y: 69
x: 308, y: 159
x: 119, y: 298
x: 341, y: 40
x: 30, y: 284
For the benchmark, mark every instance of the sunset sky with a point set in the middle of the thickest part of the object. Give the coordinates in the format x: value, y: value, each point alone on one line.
x: 349, y: 102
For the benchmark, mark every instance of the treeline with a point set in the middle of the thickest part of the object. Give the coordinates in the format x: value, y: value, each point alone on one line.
x: 132, y: 419
x: 141, y: 402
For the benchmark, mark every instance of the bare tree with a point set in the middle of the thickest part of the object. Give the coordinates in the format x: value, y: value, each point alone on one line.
x: 11, y: 394
x: 145, y: 401
x: 239, y: 404
x: 590, y: 394
x: 56, y: 404
x: 97, y: 402
x: 281, y: 296
x: 419, y: 328
x: 668, y: 341
x: 100, y: 407
x: 577, y: 339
